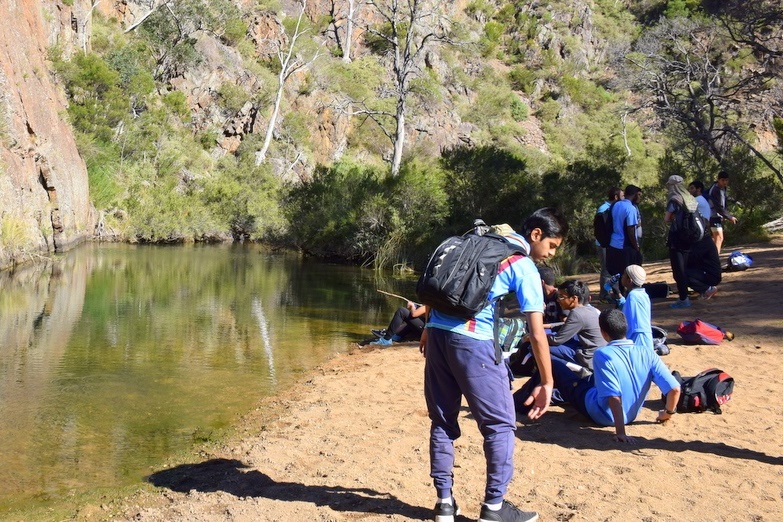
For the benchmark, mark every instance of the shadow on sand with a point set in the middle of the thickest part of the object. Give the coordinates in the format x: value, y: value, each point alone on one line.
x: 570, y: 429
x: 241, y: 480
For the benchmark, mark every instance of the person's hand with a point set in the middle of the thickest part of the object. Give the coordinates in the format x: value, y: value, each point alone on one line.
x: 624, y: 438
x: 423, y: 342
x: 733, y: 220
x: 663, y: 416
x: 539, y: 399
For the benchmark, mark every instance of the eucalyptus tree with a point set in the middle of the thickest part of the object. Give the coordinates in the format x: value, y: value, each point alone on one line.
x: 702, y: 88
x: 344, y: 14
x: 170, y: 28
x: 291, y: 57
x: 757, y: 24
x: 401, y: 31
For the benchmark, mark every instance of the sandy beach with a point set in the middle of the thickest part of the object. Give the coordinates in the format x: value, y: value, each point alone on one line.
x: 351, y: 441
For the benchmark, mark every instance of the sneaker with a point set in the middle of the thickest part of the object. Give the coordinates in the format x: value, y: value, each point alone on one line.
x: 382, y: 342
x: 508, y: 512
x: 709, y: 292
x: 379, y: 333
x: 681, y: 304
x: 446, y: 512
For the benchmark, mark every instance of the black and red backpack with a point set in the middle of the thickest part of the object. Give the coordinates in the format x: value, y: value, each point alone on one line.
x: 708, y: 390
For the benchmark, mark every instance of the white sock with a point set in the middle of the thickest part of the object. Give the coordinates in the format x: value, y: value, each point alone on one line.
x: 494, y: 507
x: 445, y: 500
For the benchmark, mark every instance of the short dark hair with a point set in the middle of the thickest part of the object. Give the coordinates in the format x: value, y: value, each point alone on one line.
x: 698, y: 184
x: 549, y: 219
x: 631, y: 191
x: 613, y: 323
x: 547, y: 275
x: 723, y: 175
x: 613, y: 193
x: 575, y: 287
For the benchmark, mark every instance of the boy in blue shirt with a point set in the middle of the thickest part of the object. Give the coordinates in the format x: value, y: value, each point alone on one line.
x: 461, y: 361
x: 624, y: 248
x: 615, y: 393
x: 637, y: 307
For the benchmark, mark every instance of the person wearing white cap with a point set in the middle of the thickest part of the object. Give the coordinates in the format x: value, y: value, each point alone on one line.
x: 637, y: 307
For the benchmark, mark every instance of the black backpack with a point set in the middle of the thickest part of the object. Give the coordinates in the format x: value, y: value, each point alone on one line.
x: 708, y: 390
x: 603, y: 226
x: 460, y: 274
x: 687, y: 229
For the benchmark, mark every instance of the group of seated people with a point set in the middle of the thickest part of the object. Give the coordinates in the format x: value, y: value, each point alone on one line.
x: 603, y: 362
x: 614, y: 392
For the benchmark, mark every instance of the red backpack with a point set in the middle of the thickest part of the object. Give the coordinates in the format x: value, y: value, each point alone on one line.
x: 700, y: 332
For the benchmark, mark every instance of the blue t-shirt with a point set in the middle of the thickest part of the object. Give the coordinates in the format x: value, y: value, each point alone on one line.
x: 516, y: 274
x: 638, y: 312
x: 623, y: 214
x: 704, y: 206
x: 622, y: 369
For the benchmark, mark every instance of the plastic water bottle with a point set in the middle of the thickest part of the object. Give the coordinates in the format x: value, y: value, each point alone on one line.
x: 609, y: 286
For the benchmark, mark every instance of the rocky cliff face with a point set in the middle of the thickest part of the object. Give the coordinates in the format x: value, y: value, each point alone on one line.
x: 44, y: 199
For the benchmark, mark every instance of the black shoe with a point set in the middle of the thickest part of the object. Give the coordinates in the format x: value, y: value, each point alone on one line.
x: 508, y: 512
x: 379, y: 333
x: 446, y: 512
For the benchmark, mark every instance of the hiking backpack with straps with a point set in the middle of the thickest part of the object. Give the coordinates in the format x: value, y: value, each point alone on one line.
x: 687, y: 228
x: 461, y: 271
x: 603, y: 226
x: 708, y: 390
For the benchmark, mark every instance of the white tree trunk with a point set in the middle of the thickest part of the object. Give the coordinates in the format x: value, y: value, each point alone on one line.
x: 261, y: 154
x: 399, y: 138
x: 288, y: 65
x: 349, y: 32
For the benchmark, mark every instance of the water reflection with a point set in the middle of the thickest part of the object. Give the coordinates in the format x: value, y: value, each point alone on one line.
x: 116, y: 356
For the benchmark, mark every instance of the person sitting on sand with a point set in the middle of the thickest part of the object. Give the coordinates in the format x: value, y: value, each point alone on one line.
x: 703, y: 268
x: 579, y: 336
x: 553, y: 313
x: 615, y: 393
x: 637, y: 307
x: 406, y: 324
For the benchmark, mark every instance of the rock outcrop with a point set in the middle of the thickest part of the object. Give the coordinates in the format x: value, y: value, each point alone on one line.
x: 44, y: 195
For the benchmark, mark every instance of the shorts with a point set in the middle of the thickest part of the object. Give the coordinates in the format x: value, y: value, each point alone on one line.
x: 716, y: 224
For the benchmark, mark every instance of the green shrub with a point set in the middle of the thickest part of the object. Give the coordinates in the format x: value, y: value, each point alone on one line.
x: 14, y: 235
x: 586, y: 93
x: 232, y: 97
x: 519, y: 109
x: 548, y: 111
x: 489, y: 183
x: 332, y: 212
x: 235, y: 31
x: 493, y: 31
x: 245, y: 199
x: 522, y: 79
x: 480, y: 10
x: 98, y: 103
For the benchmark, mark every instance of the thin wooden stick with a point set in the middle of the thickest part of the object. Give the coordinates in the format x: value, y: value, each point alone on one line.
x: 393, y: 295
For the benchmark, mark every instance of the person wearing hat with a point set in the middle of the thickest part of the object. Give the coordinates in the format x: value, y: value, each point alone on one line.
x: 637, y: 307
x: 679, y: 199
x: 615, y: 393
